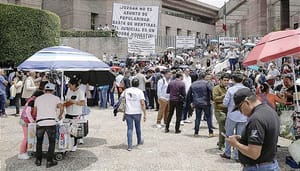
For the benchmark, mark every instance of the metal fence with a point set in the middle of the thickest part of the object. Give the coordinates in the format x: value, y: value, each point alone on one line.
x: 162, y: 42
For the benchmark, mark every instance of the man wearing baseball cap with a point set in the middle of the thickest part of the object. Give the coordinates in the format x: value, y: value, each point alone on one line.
x: 45, y: 108
x: 258, y: 141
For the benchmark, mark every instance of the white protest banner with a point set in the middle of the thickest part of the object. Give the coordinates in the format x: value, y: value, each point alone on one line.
x: 135, y: 21
x: 228, y: 40
x: 186, y: 42
x: 137, y: 45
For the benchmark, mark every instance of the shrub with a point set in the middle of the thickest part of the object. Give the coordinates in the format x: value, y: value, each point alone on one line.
x: 24, y: 31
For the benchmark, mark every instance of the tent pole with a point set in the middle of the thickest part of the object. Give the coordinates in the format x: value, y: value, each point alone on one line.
x: 296, y: 91
x: 62, y: 87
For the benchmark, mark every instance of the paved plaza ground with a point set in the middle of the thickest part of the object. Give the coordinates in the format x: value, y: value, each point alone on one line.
x: 105, y: 148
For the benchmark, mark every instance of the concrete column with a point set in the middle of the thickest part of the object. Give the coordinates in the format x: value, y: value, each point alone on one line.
x: 243, y: 28
x: 284, y: 14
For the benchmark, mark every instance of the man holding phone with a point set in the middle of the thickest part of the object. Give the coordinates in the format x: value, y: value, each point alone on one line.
x: 258, y: 142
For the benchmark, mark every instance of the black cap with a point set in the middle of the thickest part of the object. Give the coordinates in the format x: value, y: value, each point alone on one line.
x: 240, y: 96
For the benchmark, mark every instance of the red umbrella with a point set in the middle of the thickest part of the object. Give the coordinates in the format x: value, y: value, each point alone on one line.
x: 274, y: 45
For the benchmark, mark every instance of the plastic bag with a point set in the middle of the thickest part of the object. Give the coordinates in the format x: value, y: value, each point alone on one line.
x: 294, y: 150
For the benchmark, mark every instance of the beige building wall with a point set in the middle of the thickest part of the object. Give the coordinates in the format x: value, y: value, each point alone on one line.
x: 76, y: 14
x: 257, y: 18
x: 174, y: 23
x: 27, y: 3
x: 260, y: 17
x: 64, y: 9
x: 98, y: 45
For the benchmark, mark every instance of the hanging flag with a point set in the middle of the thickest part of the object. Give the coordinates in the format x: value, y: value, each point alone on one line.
x: 224, y: 17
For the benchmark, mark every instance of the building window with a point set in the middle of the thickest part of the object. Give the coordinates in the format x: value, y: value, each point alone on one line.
x: 188, y: 16
x: 296, y: 25
x: 189, y: 33
x: 179, y: 32
x: 198, y: 34
x: 93, y: 20
x: 168, y: 30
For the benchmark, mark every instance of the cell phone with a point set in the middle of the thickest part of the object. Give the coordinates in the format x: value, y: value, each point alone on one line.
x: 73, y: 97
x: 224, y: 135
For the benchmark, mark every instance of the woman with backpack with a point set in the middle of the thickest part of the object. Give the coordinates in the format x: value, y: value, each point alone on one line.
x: 27, y: 117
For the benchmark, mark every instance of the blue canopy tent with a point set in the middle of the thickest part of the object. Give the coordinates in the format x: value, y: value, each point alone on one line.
x: 70, y: 62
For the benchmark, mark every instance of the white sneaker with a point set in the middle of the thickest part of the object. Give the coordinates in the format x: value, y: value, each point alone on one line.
x: 80, y: 141
x: 74, y: 148
x: 23, y: 156
x: 182, y: 123
x: 158, y: 126
x: 187, y: 121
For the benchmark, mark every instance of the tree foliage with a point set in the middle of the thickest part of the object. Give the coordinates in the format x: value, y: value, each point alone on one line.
x: 24, y: 31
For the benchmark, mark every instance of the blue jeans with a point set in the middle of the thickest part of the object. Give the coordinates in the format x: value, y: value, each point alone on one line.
x: 184, y: 111
x: 232, y: 63
x: 230, y: 127
x: 137, y: 122
x: 2, y: 103
x: 111, y: 97
x: 207, y: 112
x: 264, y: 167
x: 146, y: 99
x: 103, y: 96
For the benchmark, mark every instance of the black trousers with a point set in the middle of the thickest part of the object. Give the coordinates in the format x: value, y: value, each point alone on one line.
x: 150, y: 97
x: 178, y: 106
x: 51, y: 132
x: 17, y: 101
x: 156, y: 99
x: 72, y: 117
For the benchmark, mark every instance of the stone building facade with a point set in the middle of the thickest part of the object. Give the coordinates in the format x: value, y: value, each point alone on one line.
x: 253, y: 18
x: 186, y: 17
x: 28, y: 3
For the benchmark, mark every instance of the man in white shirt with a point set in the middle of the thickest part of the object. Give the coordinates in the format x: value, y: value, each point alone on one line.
x: 231, y: 55
x: 273, y: 71
x: 45, y: 108
x: 119, y: 85
x: 187, y: 82
x: 163, y: 98
x: 106, y: 28
x: 135, y: 106
x: 104, y: 58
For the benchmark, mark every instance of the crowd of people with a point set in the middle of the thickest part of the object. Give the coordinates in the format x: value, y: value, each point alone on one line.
x: 187, y: 90
x: 168, y: 86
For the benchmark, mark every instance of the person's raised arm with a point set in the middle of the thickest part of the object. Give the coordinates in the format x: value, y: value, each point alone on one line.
x: 143, y: 109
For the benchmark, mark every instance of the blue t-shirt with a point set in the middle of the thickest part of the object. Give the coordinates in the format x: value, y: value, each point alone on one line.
x: 2, y: 85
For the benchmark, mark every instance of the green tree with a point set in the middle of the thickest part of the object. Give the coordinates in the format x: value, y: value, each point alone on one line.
x: 24, y: 31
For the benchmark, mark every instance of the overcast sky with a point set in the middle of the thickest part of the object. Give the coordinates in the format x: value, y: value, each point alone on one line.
x: 217, y: 3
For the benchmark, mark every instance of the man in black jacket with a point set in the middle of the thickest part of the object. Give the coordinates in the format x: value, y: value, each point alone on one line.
x: 176, y: 89
x: 200, y: 94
